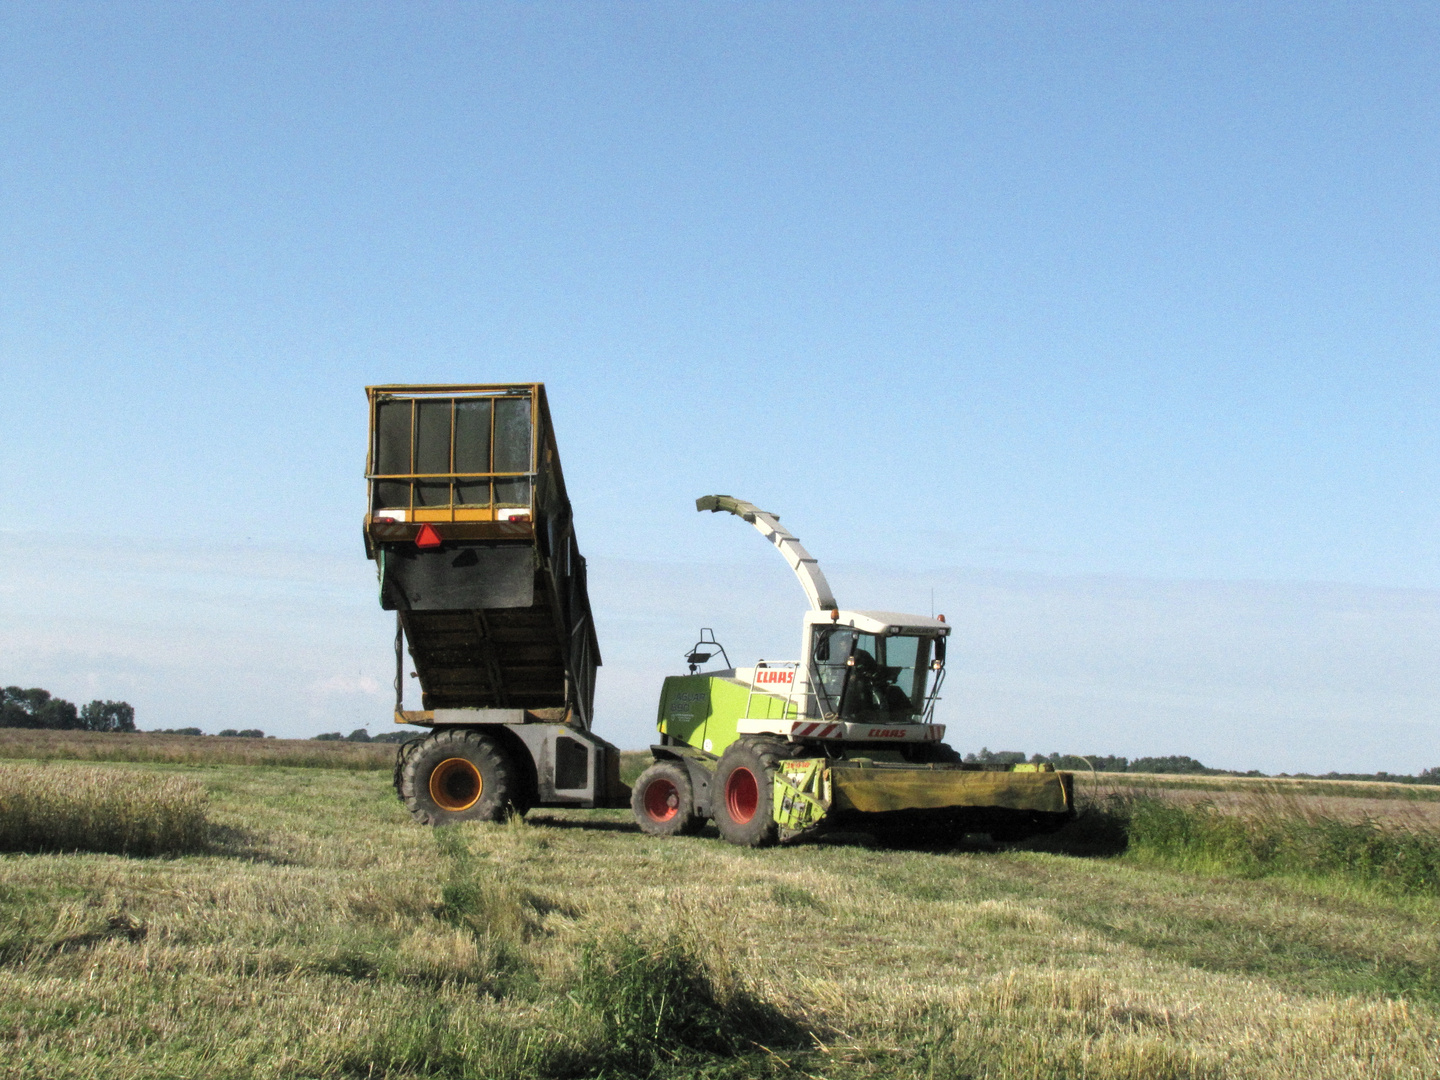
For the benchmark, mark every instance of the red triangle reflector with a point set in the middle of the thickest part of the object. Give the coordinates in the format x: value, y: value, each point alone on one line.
x: 427, y: 537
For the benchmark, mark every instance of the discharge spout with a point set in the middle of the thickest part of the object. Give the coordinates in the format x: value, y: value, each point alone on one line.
x: 817, y: 589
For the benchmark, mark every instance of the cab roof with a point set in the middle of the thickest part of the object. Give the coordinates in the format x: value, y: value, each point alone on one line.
x: 879, y: 622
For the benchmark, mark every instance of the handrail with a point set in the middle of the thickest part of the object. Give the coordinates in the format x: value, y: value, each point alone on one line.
x: 788, y: 702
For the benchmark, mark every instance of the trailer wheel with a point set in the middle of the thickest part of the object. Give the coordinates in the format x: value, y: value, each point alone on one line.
x: 663, y: 801
x: 744, y: 787
x: 403, y: 754
x: 458, y: 775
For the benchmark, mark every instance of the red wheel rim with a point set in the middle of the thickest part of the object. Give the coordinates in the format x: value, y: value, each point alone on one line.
x: 662, y: 799
x: 742, y: 795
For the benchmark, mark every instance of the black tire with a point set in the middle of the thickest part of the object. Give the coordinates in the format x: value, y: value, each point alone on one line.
x: 663, y: 801
x: 459, y: 775
x: 744, y: 792
x: 403, y: 753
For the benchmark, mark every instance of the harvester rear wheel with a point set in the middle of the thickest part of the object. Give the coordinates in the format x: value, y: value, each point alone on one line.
x: 663, y: 801
x: 458, y: 775
x: 744, y: 792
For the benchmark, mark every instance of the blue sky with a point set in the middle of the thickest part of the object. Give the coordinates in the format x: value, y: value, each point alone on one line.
x: 1096, y: 298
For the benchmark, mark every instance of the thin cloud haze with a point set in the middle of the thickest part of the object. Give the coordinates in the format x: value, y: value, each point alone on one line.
x: 1287, y: 677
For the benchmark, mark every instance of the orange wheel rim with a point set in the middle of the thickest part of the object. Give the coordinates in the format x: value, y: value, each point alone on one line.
x: 662, y: 800
x: 455, y: 784
x: 742, y: 795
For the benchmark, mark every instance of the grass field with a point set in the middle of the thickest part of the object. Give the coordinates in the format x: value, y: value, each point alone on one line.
x: 325, y: 935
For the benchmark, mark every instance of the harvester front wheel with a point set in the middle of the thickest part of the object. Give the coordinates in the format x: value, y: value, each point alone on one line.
x: 744, y: 793
x: 663, y: 801
x: 458, y: 775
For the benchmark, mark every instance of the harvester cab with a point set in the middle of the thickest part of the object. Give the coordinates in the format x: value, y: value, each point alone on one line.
x: 844, y: 734
x: 868, y: 677
x: 875, y: 667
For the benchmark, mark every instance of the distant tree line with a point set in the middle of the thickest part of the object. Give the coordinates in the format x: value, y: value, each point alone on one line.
x: 363, y: 735
x: 36, y: 708
x: 224, y: 733
x: 1176, y: 764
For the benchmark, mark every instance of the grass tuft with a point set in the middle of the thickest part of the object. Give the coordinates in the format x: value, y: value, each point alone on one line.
x: 1282, y: 840
x: 1258, y: 837
x: 435, y: 1040
x: 497, y: 917
x: 60, y: 808
x: 794, y: 896
x: 660, y: 1005
x: 473, y: 899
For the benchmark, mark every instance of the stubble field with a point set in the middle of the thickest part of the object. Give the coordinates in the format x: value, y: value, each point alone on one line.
x: 322, y: 934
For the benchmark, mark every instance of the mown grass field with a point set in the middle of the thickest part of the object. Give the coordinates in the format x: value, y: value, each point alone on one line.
x: 325, y: 935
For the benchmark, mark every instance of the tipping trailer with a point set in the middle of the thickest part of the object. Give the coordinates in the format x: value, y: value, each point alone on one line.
x: 470, y: 529
x: 844, y: 736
